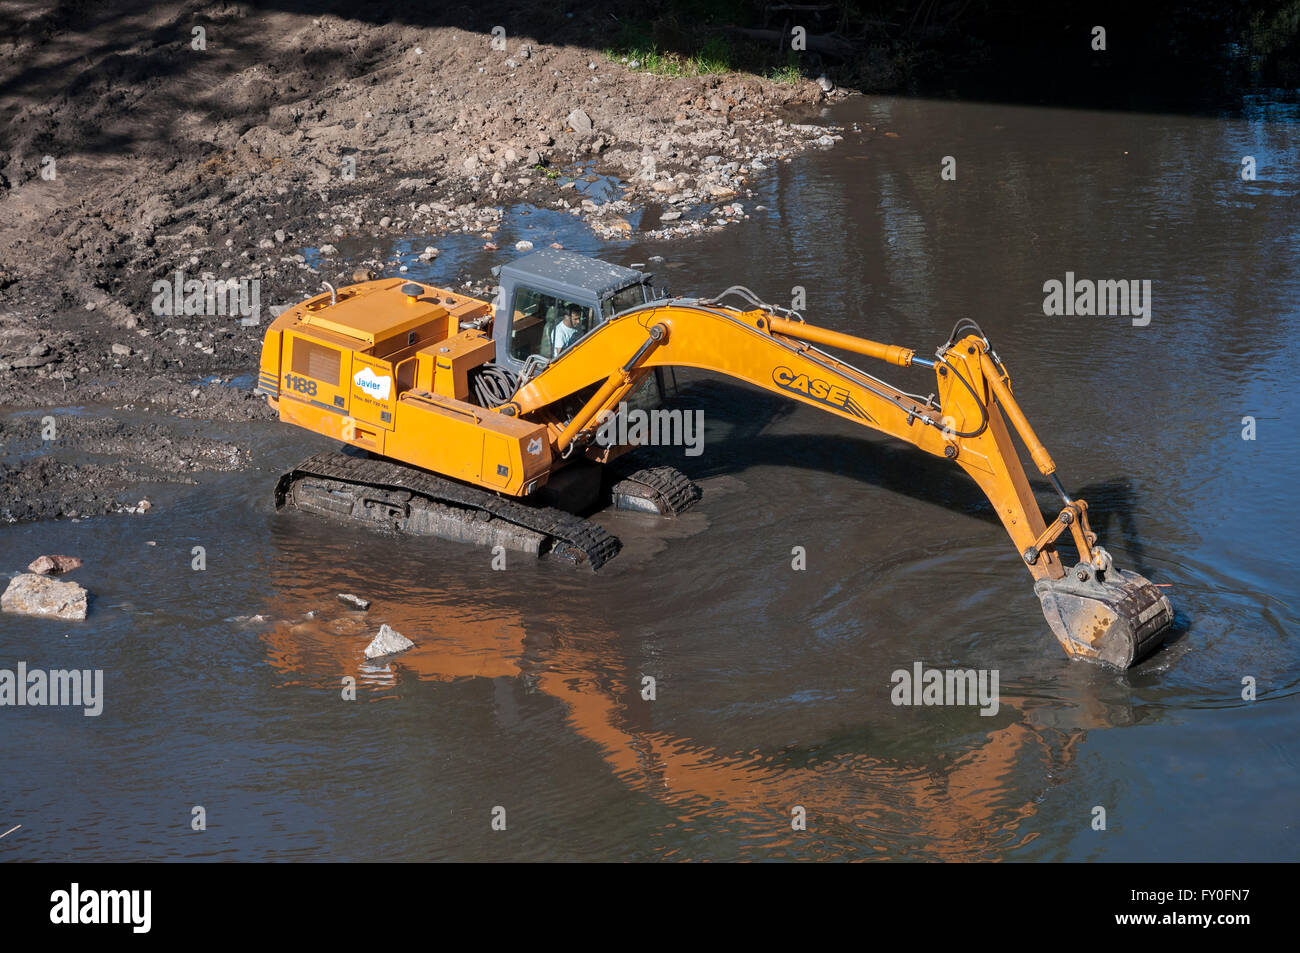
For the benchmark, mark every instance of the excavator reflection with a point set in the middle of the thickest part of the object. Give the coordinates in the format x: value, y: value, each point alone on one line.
x: 978, y: 803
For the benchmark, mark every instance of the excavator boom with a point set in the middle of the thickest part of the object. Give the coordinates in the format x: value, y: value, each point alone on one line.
x: 1096, y: 611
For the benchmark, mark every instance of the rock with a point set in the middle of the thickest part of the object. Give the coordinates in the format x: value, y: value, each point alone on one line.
x: 30, y: 594
x: 670, y: 216
x: 388, y: 642
x: 534, y: 158
x: 122, y: 350
x: 328, y: 250
x: 826, y: 85
x: 53, y: 565
x: 279, y: 236
x: 579, y: 122
x: 824, y: 141
x: 524, y: 245
x: 34, y: 361
x: 489, y: 246
x: 90, y: 306
x: 354, y: 601
x: 363, y: 274
x: 385, y: 222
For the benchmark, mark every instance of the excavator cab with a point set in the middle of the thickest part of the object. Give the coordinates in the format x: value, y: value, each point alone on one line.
x: 537, y: 292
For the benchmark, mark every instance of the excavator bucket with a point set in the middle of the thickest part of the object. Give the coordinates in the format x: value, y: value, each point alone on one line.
x: 1112, y: 616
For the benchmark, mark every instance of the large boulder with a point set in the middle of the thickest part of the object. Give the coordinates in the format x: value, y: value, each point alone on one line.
x: 31, y: 594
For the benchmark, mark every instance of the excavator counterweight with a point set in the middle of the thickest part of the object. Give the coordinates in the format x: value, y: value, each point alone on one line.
x: 480, y: 422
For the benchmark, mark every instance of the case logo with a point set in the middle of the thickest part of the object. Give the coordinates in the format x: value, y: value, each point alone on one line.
x: 832, y: 395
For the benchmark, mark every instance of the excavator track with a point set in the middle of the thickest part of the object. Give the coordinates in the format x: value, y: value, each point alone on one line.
x: 406, y: 500
x: 665, y: 490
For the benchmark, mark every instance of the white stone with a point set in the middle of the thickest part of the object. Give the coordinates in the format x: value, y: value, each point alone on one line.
x: 30, y: 594
x: 388, y: 642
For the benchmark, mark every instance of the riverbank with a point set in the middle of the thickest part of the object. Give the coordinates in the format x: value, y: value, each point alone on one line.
x: 134, y: 155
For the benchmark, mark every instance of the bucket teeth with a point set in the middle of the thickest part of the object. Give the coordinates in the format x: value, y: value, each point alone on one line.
x: 1115, y: 617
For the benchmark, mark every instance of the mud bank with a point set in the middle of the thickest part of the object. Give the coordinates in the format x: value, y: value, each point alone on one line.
x: 131, y: 156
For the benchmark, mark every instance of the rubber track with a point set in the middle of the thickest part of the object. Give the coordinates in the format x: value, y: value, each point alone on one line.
x: 595, y: 546
x: 673, y: 486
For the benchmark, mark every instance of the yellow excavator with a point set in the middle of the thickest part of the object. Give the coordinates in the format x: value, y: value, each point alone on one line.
x: 479, y: 421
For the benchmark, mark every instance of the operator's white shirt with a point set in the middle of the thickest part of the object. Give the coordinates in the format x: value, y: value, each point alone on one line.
x: 563, y: 335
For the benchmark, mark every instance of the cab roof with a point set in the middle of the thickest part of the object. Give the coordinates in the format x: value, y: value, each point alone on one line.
x: 567, y: 271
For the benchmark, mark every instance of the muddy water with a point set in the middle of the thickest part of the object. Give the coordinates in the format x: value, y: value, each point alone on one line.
x: 772, y: 686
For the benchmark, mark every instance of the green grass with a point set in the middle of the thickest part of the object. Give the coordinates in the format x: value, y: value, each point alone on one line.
x: 636, y: 43
x: 650, y: 60
x: 688, y: 42
x: 789, y: 73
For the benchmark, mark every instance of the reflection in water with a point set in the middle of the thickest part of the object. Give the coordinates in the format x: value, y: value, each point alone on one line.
x: 971, y: 801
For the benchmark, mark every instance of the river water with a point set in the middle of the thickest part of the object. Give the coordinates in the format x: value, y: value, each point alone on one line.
x: 524, y: 695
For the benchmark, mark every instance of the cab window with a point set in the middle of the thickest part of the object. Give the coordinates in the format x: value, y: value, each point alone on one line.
x: 540, y: 324
x: 621, y: 301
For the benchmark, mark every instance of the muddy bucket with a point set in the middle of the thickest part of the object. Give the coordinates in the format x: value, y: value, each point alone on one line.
x: 1111, y: 616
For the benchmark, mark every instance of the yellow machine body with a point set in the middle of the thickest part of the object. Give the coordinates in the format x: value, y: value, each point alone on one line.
x: 387, y: 372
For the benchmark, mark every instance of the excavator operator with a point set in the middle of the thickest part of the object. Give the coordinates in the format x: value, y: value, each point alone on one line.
x: 568, y: 330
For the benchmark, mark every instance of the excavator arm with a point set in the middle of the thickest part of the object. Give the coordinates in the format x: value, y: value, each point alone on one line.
x: 1095, y: 610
